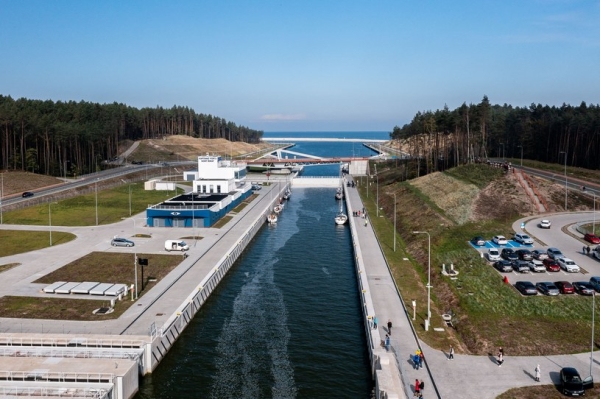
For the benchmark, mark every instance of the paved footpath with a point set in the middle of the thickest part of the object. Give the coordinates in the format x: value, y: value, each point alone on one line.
x: 466, y: 376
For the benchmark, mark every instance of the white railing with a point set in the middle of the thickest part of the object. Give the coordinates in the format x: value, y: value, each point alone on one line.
x: 55, y: 376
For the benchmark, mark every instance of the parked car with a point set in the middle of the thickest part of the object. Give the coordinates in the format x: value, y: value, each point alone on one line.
x: 545, y: 224
x: 592, y: 238
x: 256, y: 187
x: 493, y: 254
x: 523, y: 239
x: 509, y: 254
x: 554, y: 253
x: 583, y: 288
x: 539, y: 254
x: 565, y: 287
x: 27, y: 194
x: 524, y: 254
x: 500, y: 240
x: 520, y: 266
x: 121, y: 242
x: 551, y: 265
x: 596, y: 252
x: 536, y: 266
x: 478, y: 241
x: 595, y: 283
x: 571, y: 382
x: 568, y: 265
x: 547, y: 288
x: 526, y: 287
x: 503, y: 266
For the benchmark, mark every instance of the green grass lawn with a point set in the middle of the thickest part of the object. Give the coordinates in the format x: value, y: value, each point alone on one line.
x: 113, y: 206
x: 21, y: 241
x: 97, y: 266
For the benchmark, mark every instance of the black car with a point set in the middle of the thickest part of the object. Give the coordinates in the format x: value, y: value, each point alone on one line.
x: 478, y: 241
x: 27, y: 194
x: 503, y: 266
x: 524, y: 254
x: 509, y: 254
x: 571, y: 382
x: 526, y: 288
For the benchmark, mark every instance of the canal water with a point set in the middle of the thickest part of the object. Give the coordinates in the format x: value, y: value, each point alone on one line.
x: 284, y: 323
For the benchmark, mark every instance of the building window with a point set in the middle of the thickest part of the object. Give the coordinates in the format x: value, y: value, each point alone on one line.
x: 212, y: 189
x: 219, y: 189
x: 204, y: 188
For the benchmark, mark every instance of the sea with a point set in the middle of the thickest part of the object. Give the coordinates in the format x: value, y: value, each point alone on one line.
x: 286, y: 321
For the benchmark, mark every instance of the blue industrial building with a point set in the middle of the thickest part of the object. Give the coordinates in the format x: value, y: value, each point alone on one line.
x: 218, y: 187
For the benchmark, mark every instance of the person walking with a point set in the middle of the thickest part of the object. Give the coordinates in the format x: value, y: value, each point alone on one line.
x: 417, y: 388
x: 588, y: 249
x: 421, y: 358
x: 451, y: 354
x: 538, y: 373
x: 387, y: 343
x: 375, y: 322
x: 415, y: 359
x: 500, y: 359
x: 389, y: 326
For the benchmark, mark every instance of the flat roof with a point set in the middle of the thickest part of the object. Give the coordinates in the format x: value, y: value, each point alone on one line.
x: 198, y: 198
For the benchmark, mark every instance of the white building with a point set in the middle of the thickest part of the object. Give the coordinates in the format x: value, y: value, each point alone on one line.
x: 215, y: 176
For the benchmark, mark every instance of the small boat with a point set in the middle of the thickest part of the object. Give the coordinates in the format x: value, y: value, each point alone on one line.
x: 341, y: 217
x: 272, y: 218
x: 278, y: 208
x: 287, y: 194
x: 339, y: 194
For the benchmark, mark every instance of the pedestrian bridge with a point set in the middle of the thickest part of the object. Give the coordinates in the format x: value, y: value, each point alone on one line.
x: 313, y: 139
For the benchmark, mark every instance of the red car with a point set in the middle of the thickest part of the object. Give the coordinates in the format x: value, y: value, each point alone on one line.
x: 565, y: 287
x: 551, y: 265
x: 593, y: 238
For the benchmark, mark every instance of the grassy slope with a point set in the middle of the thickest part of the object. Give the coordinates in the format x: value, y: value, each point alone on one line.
x: 489, y: 313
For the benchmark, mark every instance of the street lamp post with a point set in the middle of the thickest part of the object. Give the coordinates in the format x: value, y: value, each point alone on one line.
x: 1, y: 195
x: 394, y: 222
x: 428, y: 321
x: 96, y: 190
x: 50, y: 221
x: 593, y: 317
x: 377, y: 176
x: 130, y: 200
x: 566, y: 183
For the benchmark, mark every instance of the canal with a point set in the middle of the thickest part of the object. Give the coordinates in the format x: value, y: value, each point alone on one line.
x: 285, y: 322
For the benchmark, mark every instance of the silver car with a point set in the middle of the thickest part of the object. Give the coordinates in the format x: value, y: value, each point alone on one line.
x: 523, y: 239
x: 121, y: 242
x: 548, y: 288
x: 537, y: 266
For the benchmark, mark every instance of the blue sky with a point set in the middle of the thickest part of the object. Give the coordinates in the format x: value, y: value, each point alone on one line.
x: 302, y: 65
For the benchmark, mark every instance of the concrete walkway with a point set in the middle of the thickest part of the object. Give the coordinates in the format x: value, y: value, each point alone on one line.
x: 465, y: 376
x: 158, y: 304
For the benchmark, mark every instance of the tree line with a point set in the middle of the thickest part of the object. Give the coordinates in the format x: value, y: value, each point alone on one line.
x: 446, y: 138
x: 64, y: 138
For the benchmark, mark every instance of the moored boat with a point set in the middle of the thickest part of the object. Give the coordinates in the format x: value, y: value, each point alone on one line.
x: 272, y: 218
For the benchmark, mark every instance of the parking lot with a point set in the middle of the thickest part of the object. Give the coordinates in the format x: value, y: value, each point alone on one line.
x: 562, y: 235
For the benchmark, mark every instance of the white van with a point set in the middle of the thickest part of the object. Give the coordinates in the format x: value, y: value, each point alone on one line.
x: 176, y: 245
